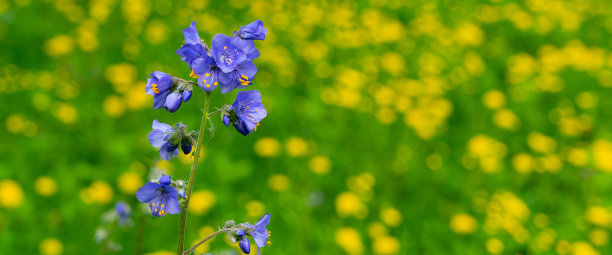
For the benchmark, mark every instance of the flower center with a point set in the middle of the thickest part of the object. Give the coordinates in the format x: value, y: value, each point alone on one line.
x: 154, y: 88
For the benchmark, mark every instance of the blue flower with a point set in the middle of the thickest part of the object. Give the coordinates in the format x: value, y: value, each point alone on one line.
x: 162, y: 197
x: 245, y: 245
x: 193, y: 48
x: 123, y: 210
x: 259, y: 232
x: 246, y: 112
x: 168, y: 139
x: 167, y: 91
x: 253, y: 31
x: 159, y: 86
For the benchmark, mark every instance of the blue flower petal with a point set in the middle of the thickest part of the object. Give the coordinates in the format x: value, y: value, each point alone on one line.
x: 162, y: 126
x: 167, y: 154
x: 191, y: 34
x: 260, y: 235
x: 165, y: 179
x: 156, y: 138
x: 159, y: 100
x: 173, y: 101
x: 172, y: 204
x: 148, y: 192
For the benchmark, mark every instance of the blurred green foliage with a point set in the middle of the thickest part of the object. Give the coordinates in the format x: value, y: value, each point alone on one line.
x: 394, y: 127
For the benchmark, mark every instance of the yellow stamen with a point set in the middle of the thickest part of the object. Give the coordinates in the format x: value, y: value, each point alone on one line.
x: 208, y: 85
x: 256, y: 110
x: 153, y: 204
x: 247, y: 107
x: 225, y: 47
x: 241, y: 81
x: 207, y: 74
x: 193, y: 75
x: 244, y: 77
x: 162, y: 212
x: 216, y: 83
x: 269, y: 243
x: 205, y: 81
x: 154, y: 88
x: 155, y: 209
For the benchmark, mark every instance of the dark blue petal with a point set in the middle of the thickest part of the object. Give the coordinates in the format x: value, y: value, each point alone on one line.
x: 242, y: 128
x: 165, y: 179
x: 165, y: 153
x: 173, y: 101
x: 191, y: 34
x: 239, y: 233
x: 148, y: 192
x: 245, y: 245
x: 186, y: 95
x: 229, y: 81
x: 186, y: 146
x: 159, y: 100
x: 253, y: 31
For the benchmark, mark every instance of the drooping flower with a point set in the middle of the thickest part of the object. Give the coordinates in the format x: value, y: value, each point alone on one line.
x: 168, y: 139
x: 246, y: 112
x: 253, y: 31
x: 245, y: 245
x: 162, y: 197
x: 259, y: 232
x: 124, y: 211
x: 168, y: 92
x: 159, y: 86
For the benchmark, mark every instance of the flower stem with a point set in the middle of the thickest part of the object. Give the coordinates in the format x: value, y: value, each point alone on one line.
x: 204, y: 240
x: 141, y: 229
x: 194, y: 166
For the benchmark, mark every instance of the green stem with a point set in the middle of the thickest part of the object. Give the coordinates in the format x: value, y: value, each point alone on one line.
x: 141, y: 229
x: 204, y: 240
x: 194, y: 166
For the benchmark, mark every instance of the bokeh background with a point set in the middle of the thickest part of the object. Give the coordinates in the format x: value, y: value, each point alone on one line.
x: 394, y: 127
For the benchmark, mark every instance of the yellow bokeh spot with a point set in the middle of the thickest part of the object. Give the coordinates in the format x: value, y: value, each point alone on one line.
x: 463, y: 224
x: 577, y: 156
x: 66, y: 113
x: 599, y: 237
x: 434, y: 161
x: 599, y: 216
x: 386, y: 115
x: 45, y: 186
x: 494, y: 246
x: 523, y: 162
x: 255, y: 209
x: 469, y: 35
x: 138, y: 98
x: 319, y: 164
x: 121, y: 76
x: 586, y: 100
x: 41, y: 101
x: 267, y: 147
x: 129, y: 182
x: 157, y: 32
x: 377, y: 229
x: 16, y: 123
x: 51, y: 246
x: 385, y: 245
x: 602, y: 153
x: 541, y: 220
x: 494, y: 99
x: 59, y: 45
x: 188, y: 159
x: 563, y: 247
x: 506, y: 119
x: 391, y: 216
x: 541, y: 143
x: 11, y: 194
x: 348, y: 204
x: 114, y: 106
x: 201, y: 201
x: 296, y: 147
x: 279, y: 182
x: 98, y: 192
x: 583, y: 248
x: 349, y: 240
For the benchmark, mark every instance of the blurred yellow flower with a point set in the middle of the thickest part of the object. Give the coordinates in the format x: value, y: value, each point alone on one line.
x: 255, y: 209
x: 506, y: 119
x: 320, y: 164
x: 469, y: 35
x: 50, y: 246
x: 541, y: 143
x: 541, y: 220
x: 11, y: 194
x: 129, y: 182
x: 121, y: 76
x: 348, y: 204
x: 494, y: 99
x: 523, y: 162
x: 279, y: 182
x: 391, y: 216
x: 188, y: 159
x: 583, y: 248
x: 45, y: 186
x: 66, y: 113
x: 201, y: 202
x: 15, y: 123
x: 156, y: 32
x: 377, y: 229
x: 114, y: 106
x: 599, y: 237
x: 433, y: 161
x: 494, y: 246
x: 599, y: 216
x: 267, y: 147
x: 386, y: 115
x: 349, y: 240
x: 563, y: 247
x: 203, y: 233
x: 463, y: 224
x: 296, y: 147
x: 385, y: 245
x: 138, y: 98
x: 59, y: 45
x: 41, y: 101
x: 586, y: 100
x: 602, y: 153
x: 98, y: 192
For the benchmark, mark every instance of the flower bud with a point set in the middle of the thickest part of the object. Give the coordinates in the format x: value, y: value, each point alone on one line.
x: 245, y: 245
